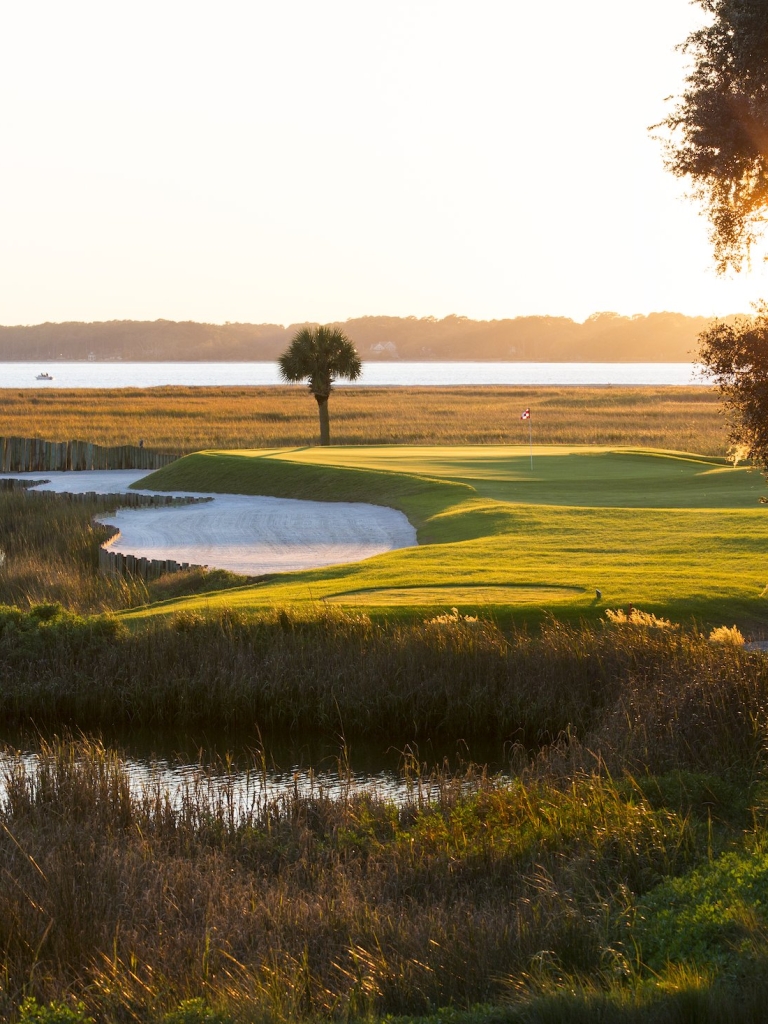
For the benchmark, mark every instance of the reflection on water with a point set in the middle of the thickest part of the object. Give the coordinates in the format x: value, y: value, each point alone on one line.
x: 250, y: 788
x: 246, y: 778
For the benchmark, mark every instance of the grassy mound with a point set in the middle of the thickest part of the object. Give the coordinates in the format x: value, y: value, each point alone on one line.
x: 418, y: 496
x: 595, y: 477
x: 678, y: 534
x: 577, y: 475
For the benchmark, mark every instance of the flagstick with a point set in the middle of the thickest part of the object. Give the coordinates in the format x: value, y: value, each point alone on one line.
x: 530, y: 439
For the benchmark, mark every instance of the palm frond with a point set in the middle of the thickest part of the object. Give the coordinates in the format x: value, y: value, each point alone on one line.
x: 320, y: 355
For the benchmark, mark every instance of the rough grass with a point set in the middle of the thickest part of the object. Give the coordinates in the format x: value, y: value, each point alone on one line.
x: 619, y: 875
x: 304, y: 906
x: 189, y: 419
x: 50, y: 550
x: 653, y: 697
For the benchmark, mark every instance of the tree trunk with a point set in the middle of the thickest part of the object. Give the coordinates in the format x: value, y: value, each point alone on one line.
x: 325, y: 426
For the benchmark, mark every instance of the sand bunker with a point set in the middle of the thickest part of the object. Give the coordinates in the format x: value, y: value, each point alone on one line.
x: 102, y: 481
x: 249, y: 535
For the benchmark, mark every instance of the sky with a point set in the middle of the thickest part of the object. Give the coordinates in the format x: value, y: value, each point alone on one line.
x: 304, y: 160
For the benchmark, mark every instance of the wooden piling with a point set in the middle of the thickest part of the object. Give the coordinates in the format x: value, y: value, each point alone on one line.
x: 145, y: 568
x: 34, y: 455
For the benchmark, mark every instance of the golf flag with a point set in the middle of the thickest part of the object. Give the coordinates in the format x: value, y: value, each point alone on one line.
x: 527, y: 416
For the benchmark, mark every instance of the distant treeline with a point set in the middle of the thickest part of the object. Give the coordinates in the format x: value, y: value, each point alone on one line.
x: 604, y: 337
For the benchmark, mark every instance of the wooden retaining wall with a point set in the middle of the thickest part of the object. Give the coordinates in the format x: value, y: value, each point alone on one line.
x: 129, y: 499
x: 33, y: 455
x: 146, y: 568
x: 114, y: 561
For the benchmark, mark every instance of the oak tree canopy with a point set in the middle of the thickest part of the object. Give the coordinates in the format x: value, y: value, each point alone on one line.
x: 717, y: 134
x: 736, y: 356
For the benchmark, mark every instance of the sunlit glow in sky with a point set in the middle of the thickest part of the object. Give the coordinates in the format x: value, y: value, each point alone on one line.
x: 260, y: 161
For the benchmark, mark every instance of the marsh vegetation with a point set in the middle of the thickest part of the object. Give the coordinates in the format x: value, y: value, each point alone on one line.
x: 633, y: 750
x: 537, y: 897
x: 190, y: 419
x: 49, y: 554
x: 323, y: 672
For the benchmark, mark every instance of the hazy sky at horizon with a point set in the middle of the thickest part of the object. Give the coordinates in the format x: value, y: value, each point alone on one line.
x: 282, y: 162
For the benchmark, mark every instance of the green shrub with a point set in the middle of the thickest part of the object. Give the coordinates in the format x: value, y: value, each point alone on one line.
x: 715, y: 916
x: 195, y: 1011
x: 31, y: 1012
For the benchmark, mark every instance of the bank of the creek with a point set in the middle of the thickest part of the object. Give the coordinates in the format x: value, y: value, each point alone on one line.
x: 248, y: 769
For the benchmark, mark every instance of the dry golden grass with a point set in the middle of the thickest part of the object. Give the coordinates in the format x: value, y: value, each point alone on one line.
x: 303, y: 907
x: 660, y: 698
x: 183, y: 419
x: 49, y: 554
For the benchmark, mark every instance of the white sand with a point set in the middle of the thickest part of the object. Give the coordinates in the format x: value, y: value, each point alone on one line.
x: 250, y: 535
x: 102, y: 481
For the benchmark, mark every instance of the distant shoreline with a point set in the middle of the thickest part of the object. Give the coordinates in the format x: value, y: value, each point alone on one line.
x: 59, y: 360
x: 657, y: 337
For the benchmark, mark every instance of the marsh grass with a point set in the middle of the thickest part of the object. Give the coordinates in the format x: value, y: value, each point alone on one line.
x: 49, y: 549
x: 190, y: 419
x: 637, y: 757
x: 497, y: 899
x: 302, y: 906
x: 652, y: 698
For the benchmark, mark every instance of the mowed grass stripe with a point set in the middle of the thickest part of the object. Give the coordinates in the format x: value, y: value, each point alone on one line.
x: 428, y: 597
x: 561, y: 474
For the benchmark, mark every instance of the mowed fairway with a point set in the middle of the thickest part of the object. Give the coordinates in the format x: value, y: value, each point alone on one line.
x: 678, y: 534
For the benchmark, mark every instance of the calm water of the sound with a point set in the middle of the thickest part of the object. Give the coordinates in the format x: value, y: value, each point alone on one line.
x: 149, y: 375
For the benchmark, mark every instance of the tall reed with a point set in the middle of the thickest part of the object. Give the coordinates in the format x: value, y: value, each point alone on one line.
x: 301, y: 906
x: 657, y: 698
x: 49, y: 549
x: 49, y: 554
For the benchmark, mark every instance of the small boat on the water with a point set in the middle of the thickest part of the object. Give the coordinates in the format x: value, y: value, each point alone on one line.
x: 43, y: 376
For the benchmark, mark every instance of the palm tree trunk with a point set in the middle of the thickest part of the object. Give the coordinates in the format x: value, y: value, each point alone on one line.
x: 325, y: 426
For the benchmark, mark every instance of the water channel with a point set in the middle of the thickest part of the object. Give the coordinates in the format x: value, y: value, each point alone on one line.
x: 244, y: 773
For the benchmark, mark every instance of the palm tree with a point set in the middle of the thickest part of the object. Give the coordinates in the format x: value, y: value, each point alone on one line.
x: 321, y: 354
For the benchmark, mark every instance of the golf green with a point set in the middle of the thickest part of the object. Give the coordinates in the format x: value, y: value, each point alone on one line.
x: 585, y: 528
